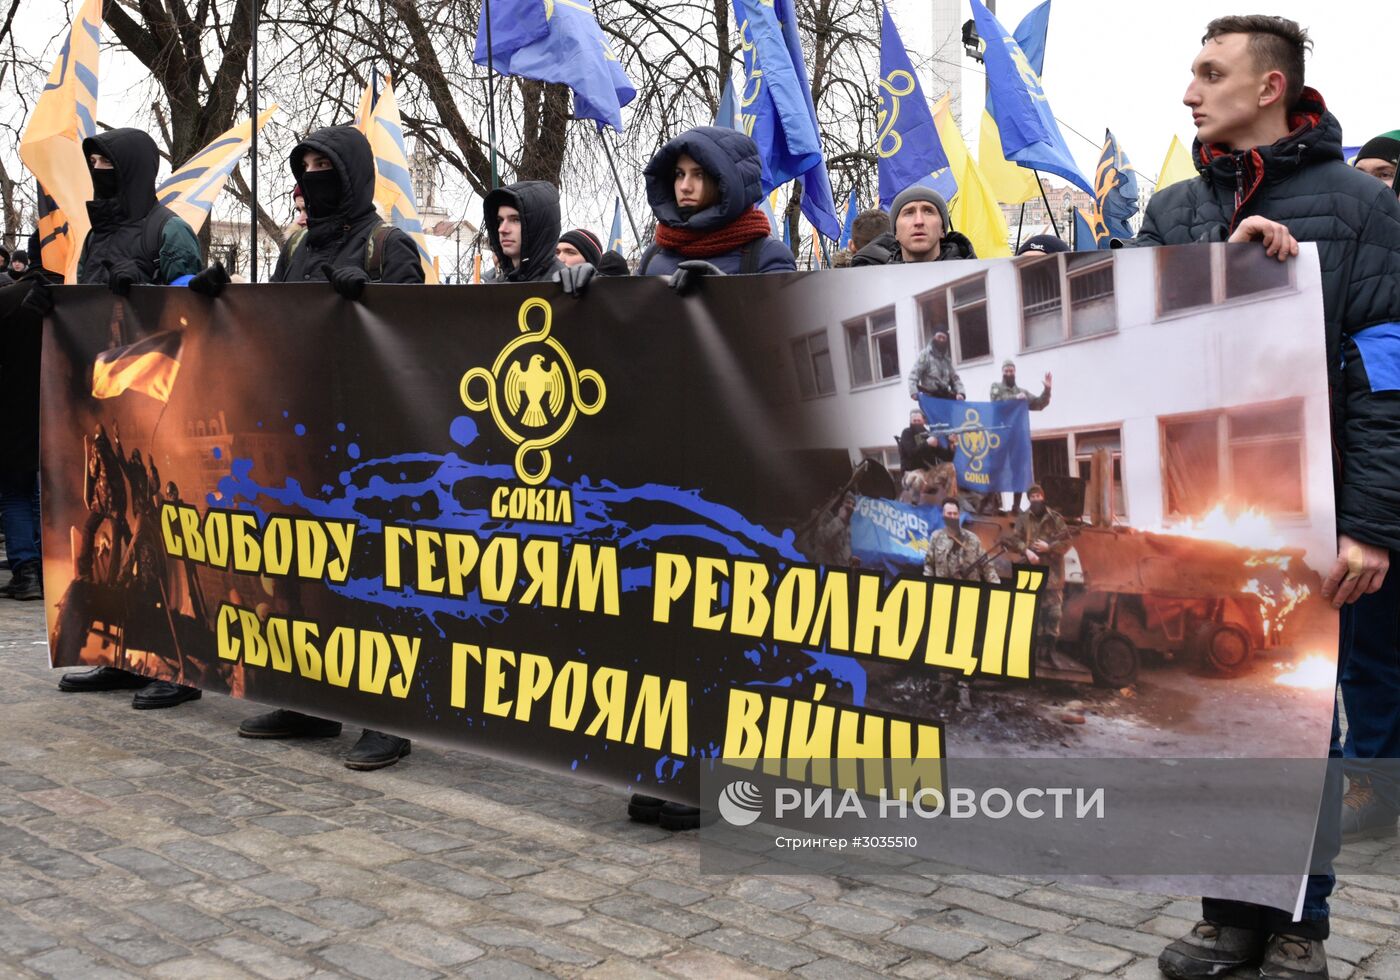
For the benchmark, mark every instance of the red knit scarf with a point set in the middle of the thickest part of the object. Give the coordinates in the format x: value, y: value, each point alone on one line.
x: 749, y: 226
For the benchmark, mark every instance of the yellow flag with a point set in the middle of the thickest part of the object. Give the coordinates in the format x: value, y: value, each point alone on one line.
x: 191, y: 191
x: 1177, y: 166
x: 973, y: 210
x: 52, y: 145
x: 393, y: 184
x: 1011, y: 184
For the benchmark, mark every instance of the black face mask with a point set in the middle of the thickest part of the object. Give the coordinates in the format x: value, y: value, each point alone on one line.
x: 1037, y: 507
x: 941, y: 346
x: 1008, y: 380
x: 952, y: 524
x: 104, y: 184
x: 322, y: 192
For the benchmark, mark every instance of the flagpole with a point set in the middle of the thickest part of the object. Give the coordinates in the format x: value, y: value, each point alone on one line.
x: 1020, y: 226
x: 253, y: 149
x: 1049, y: 211
x: 490, y: 92
x: 620, y: 192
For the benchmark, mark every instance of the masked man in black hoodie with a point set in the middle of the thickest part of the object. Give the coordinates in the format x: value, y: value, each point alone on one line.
x: 345, y: 242
x: 133, y: 241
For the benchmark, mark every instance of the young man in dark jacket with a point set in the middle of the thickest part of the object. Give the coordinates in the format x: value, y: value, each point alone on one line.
x: 522, y: 224
x: 346, y: 242
x: 919, y: 232
x: 1271, y: 171
x: 703, y: 187
x: 133, y: 241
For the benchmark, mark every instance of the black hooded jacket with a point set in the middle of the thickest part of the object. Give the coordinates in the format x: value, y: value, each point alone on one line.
x: 1303, y: 182
x: 538, y: 204
x: 343, y: 238
x: 885, y: 250
x: 123, y: 226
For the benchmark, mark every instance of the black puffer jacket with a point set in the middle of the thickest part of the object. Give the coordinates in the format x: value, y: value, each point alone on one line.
x: 1303, y: 182
x: 343, y: 238
x: 119, y: 224
x: 885, y: 250
x: 538, y: 204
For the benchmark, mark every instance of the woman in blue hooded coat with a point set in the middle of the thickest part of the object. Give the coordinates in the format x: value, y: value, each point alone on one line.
x: 703, y: 187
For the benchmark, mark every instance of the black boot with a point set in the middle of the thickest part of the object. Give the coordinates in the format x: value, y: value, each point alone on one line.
x: 26, y: 582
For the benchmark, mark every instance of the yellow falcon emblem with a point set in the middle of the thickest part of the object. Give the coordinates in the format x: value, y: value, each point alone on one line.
x: 536, y: 383
x: 976, y: 441
x: 533, y: 392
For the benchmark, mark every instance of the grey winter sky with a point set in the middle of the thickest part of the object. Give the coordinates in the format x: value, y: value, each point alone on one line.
x: 1121, y: 64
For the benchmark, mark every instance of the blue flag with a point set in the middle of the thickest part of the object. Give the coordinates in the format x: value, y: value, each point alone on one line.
x: 776, y: 109
x: 1116, y: 188
x: 1030, y: 35
x: 891, y: 535
x: 849, y: 226
x: 1030, y: 136
x: 559, y: 41
x: 728, y: 114
x: 994, y: 441
x: 615, y: 236
x: 1084, y: 240
x: 907, y: 144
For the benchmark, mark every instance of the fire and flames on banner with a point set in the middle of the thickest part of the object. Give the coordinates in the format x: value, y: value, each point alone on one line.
x: 634, y: 533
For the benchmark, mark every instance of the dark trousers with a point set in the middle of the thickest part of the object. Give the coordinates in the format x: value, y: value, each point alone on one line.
x: 1371, y: 691
x: 1365, y: 648
x: 19, y: 516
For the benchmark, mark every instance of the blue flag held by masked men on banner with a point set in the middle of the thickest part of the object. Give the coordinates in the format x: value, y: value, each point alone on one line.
x: 993, y: 440
x: 908, y: 146
x: 558, y: 42
x: 893, y: 536
x: 775, y: 108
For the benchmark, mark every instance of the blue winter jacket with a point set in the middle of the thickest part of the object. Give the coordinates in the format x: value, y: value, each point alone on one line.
x: 732, y: 159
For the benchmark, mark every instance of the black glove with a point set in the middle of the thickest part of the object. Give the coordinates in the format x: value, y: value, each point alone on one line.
x: 349, y: 280
x: 575, y: 278
x: 211, y: 281
x: 122, y: 275
x: 40, y: 298
x: 689, y: 273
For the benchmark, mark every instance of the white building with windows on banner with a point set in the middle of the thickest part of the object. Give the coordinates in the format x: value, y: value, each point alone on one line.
x: 1155, y: 355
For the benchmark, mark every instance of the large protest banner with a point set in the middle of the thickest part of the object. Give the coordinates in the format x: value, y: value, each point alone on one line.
x: 629, y: 534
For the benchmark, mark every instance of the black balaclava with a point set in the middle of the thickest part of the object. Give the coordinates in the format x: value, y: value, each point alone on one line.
x: 105, y: 183
x: 940, y: 345
x: 322, y: 190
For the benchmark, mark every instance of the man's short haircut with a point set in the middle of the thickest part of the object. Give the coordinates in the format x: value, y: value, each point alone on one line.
x: 868, y: 226
x: 953, y: 501
x: 1275, y: 44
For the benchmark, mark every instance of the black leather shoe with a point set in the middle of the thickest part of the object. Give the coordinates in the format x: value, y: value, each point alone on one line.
x: 288, y: 724
x: 645, y: 809
x: 163, y: 694
x: 101, y: 679
x: 678, y: 816
x: 375, y: 750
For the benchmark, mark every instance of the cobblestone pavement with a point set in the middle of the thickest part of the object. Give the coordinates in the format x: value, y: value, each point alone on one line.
x: 157, y: 844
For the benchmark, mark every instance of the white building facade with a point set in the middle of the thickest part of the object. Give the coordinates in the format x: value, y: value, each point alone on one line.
x: 1200, y: 369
